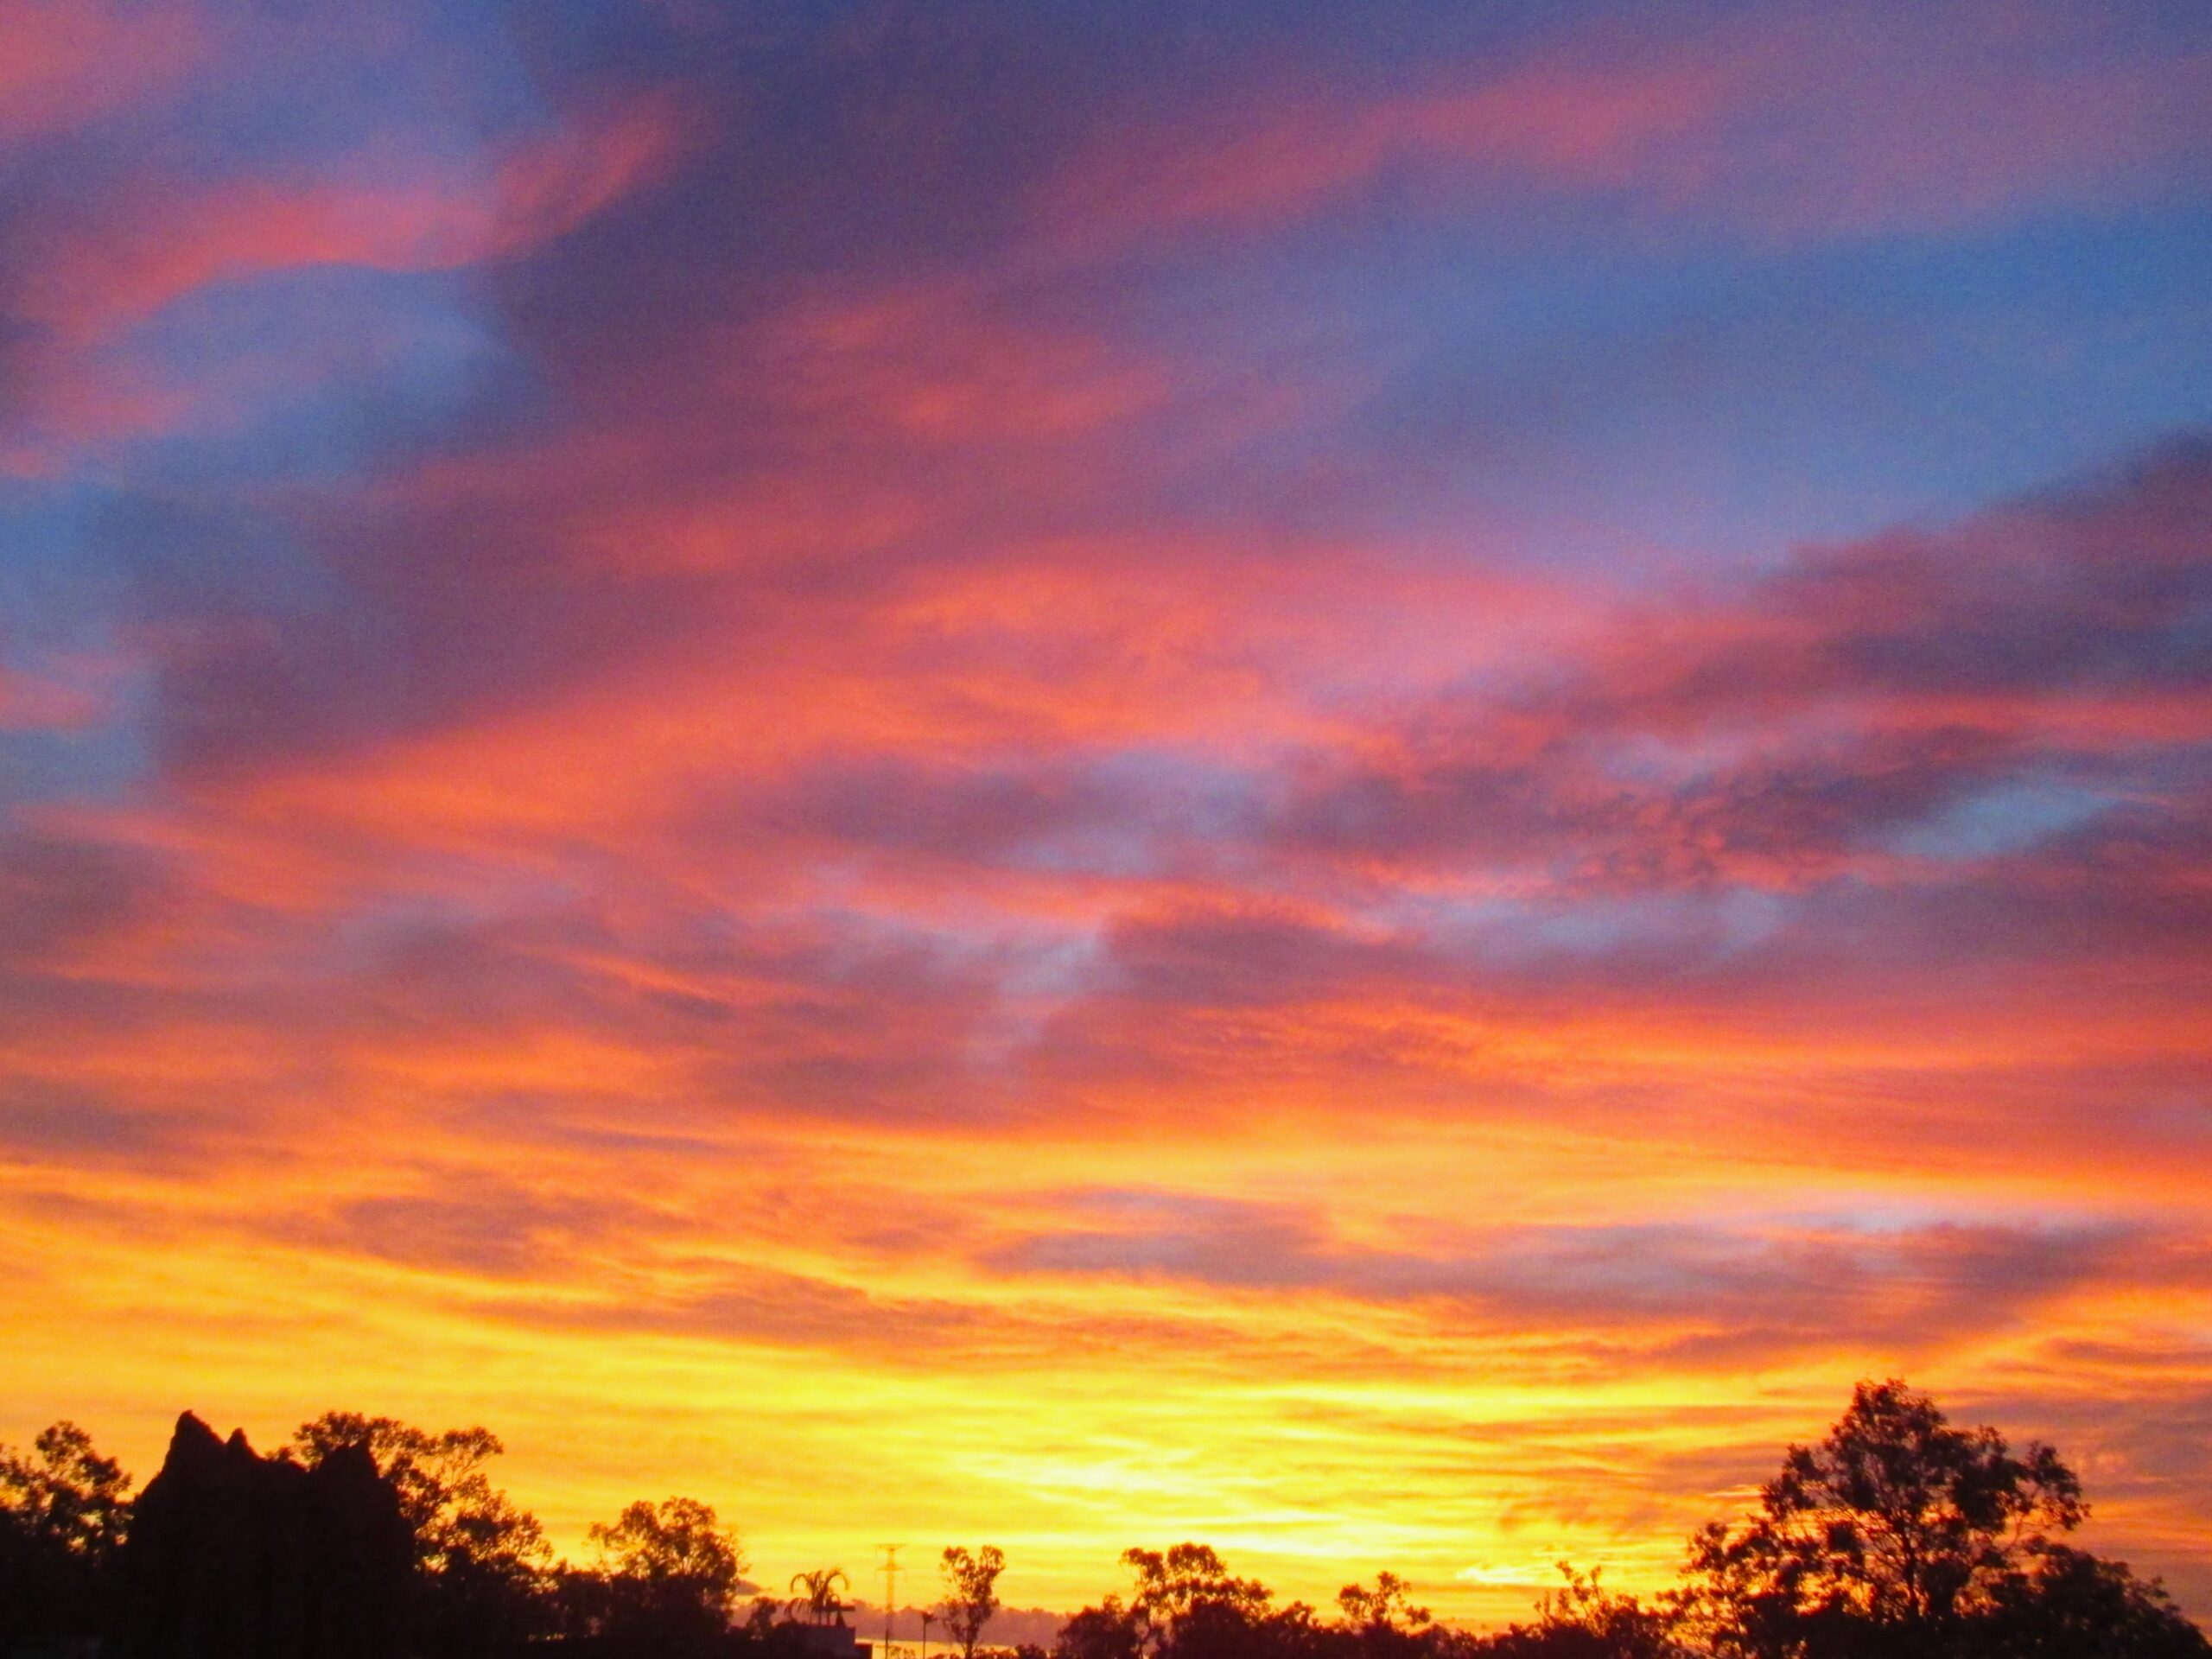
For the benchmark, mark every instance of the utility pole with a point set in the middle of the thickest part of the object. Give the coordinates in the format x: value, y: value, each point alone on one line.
x: 889, y: 1571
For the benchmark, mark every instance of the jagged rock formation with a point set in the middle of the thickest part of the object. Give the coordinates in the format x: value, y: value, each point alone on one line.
x: 233, y: 1555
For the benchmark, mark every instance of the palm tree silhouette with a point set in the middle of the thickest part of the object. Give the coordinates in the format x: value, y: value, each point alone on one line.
x: 820, y: 1604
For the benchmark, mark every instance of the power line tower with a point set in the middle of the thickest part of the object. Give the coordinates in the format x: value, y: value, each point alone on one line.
x: 889, y: 1571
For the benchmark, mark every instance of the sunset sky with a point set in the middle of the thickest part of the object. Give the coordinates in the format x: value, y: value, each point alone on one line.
x: 1357, y: 779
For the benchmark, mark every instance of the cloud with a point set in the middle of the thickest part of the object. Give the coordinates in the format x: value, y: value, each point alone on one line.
x: 73, y: 1128
x: 1703, y: 1294
x: 1584, y: 127
x: 66, y: 65
x: 1786, y: 124
x: 147, y: 248
x: 1864, y: 698
x: 163, y: 302
x: 482, y: 1226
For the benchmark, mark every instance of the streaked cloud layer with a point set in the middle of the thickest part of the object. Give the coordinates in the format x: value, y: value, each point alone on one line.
x: 1363, y: 780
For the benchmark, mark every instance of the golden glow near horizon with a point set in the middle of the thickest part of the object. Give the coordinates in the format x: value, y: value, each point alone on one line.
x: 1366, y: 796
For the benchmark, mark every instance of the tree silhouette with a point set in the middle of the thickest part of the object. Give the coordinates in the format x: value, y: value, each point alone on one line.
x: 1382, y: 1623
x: 668, y: 1574
x: 1582, y: 1619
x: 970, y: 1593
x: 2072, y: 1605
x: 820, y: 1603
x: 1895, y: 1520
x: 64, y: 1512
x: 1901, y: 1535
x: 1107, y: 1631
x: 483, y: 1566
x: 1186, y: 1604
x: 1897, y: 1535
x: 1385, y: 1607
x: 1186, y: 1585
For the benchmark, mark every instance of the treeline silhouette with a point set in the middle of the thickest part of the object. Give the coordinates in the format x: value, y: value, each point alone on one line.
x: 1896, y: 1537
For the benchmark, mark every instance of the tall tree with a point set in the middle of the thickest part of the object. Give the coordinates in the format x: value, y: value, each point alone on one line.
x: 483, y: 1566
x: 971, y: 1595
x: 1896, y: 1523
x: 669, y: 1575
x: 1186, y: 1603
x: 64, y: 1511
x: 1186, y: 1585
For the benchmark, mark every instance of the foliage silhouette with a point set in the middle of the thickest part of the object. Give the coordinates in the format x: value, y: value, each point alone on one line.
x: 1107, y: 1631
x: 821, y: 1604
x: 667, y: 1578
x: 1382, y: 1623
x: 1582, y: 1619
x: 1186, y: 1603
x: 2075, y: 1605
x: 1386, y: 1607
x: 1187, y: 1594
x: 1897, y: 1535
x: 483, y: 1567
x: 970, y: 1593
x: 64, y: 1512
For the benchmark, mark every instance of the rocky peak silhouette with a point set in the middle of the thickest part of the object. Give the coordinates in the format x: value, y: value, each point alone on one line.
x: 233, y: 1555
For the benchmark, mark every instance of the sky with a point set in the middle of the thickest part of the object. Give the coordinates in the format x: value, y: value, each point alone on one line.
x: 1359, y: 780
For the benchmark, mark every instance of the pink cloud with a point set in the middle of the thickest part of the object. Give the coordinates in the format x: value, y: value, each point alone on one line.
x: 1784, y: 123
x: 932, y: 366
x: 65, y: 61
x: 147, y: 247
x: 61, y: 692
x: 1279, y: 158
x: 93, y: 274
